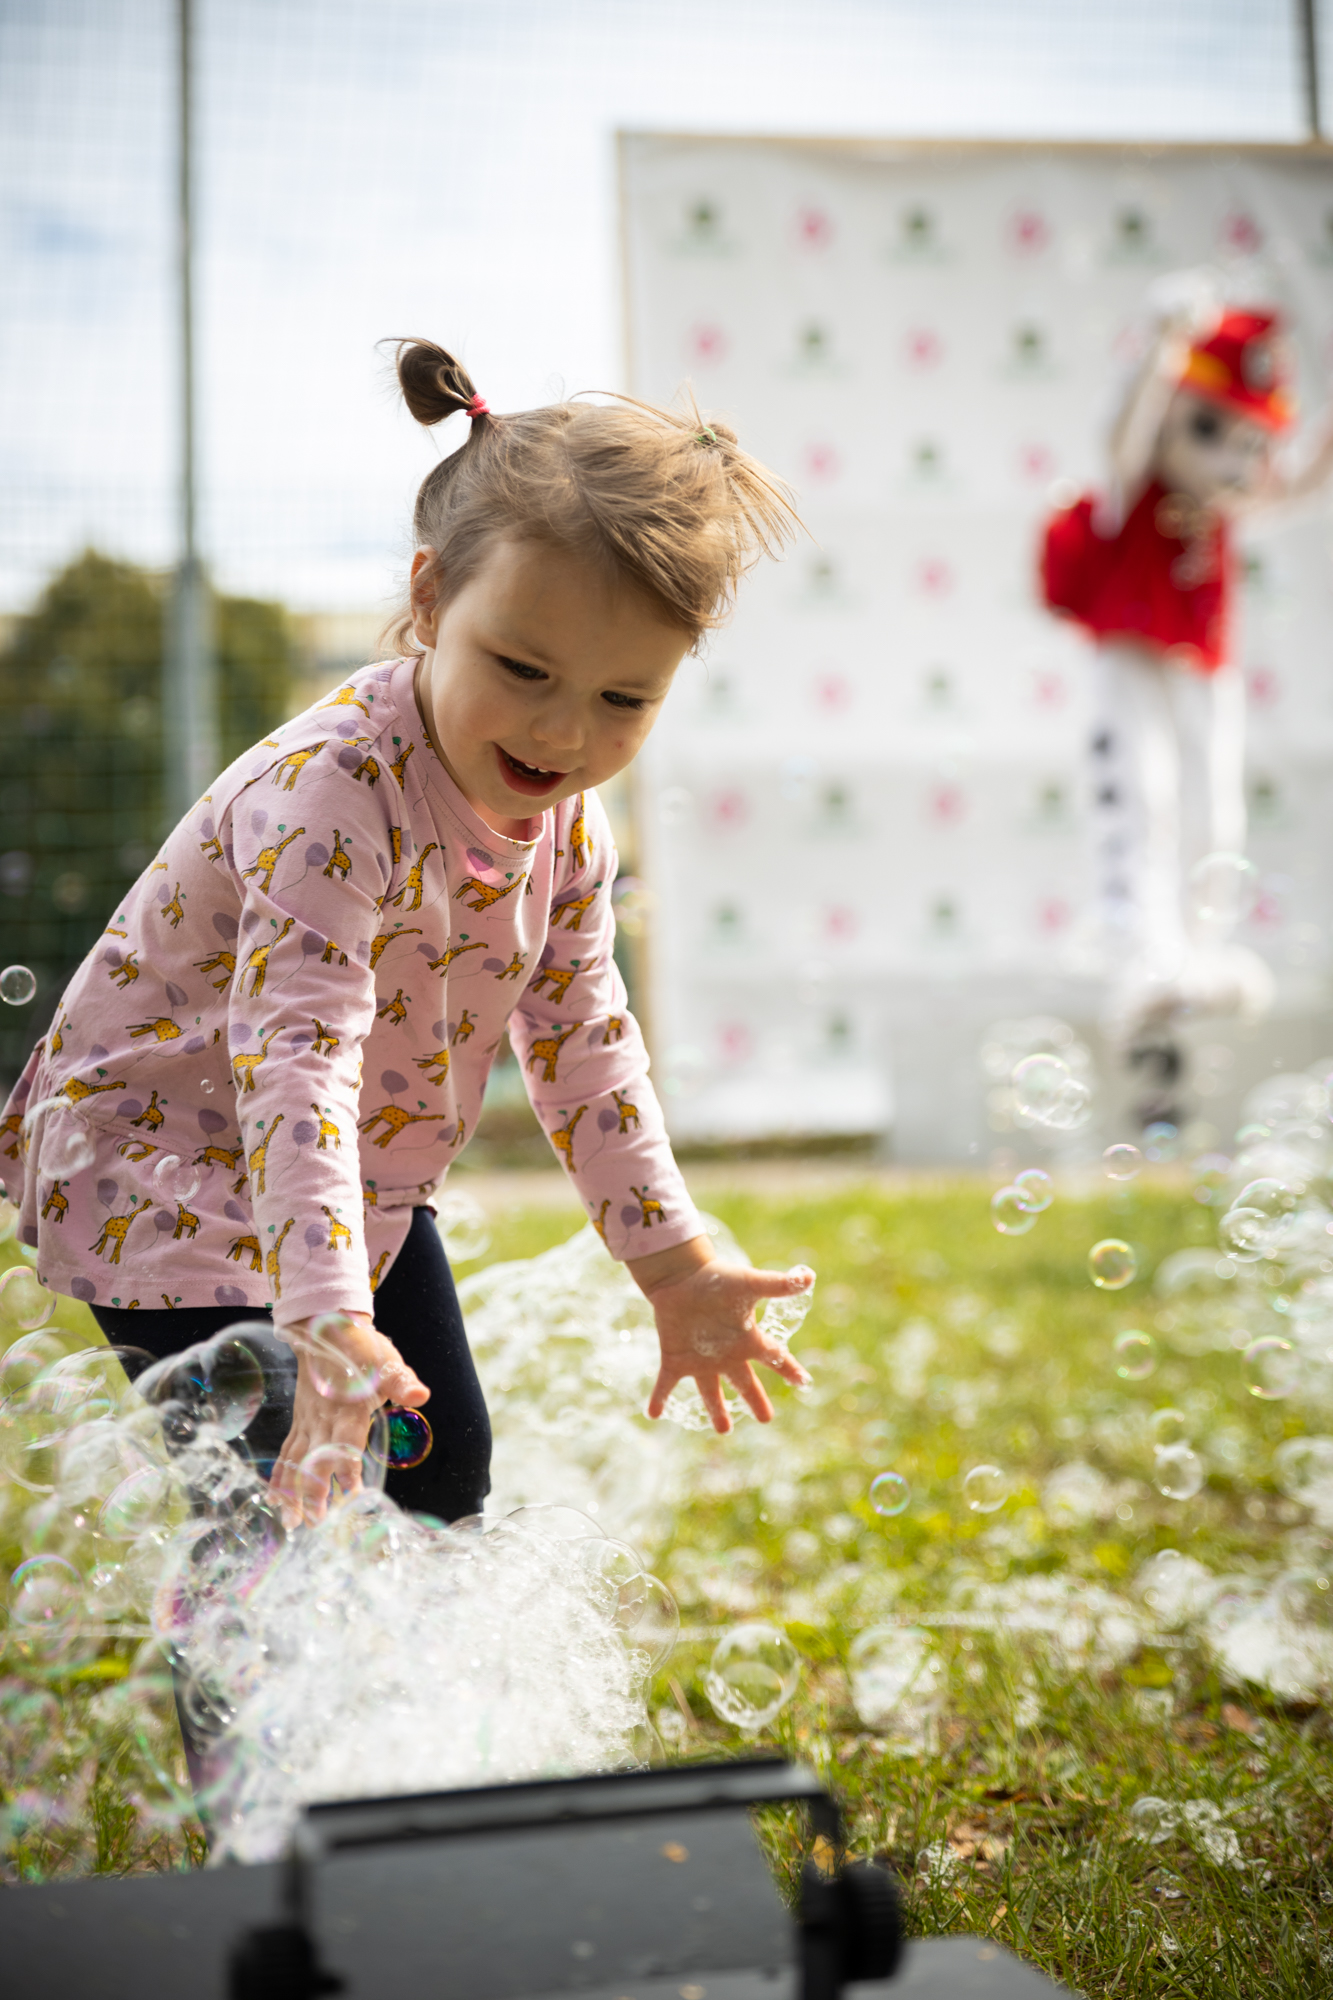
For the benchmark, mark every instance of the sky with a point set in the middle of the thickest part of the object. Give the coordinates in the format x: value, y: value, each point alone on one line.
x: 372, y: 168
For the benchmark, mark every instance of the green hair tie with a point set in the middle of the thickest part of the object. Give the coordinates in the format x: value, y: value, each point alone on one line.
x: 705, y: 436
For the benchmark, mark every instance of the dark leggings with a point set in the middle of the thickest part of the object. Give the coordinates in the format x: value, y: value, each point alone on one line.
x: 417, y: 1307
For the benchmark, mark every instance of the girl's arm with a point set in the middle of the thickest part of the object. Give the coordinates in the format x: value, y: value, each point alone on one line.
x: 586, y: 1071
x: 1134, y: 434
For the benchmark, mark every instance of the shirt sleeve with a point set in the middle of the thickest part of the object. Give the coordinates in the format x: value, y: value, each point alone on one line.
x: 302, y: 1002
x: 585, y: 1064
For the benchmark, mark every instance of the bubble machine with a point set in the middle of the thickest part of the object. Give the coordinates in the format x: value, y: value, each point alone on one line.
x: 643, y: 1885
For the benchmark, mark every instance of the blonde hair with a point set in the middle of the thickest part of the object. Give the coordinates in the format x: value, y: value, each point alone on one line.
x: 666, y: 502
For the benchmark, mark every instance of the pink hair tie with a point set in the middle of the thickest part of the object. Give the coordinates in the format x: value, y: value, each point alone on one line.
x: 478, y: 407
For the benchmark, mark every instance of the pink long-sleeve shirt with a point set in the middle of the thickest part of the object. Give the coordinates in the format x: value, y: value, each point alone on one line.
x: 281, y: 1042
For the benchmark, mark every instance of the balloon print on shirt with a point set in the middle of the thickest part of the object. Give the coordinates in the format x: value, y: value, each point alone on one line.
x: 650, y: 1210
x: 327, y: 1130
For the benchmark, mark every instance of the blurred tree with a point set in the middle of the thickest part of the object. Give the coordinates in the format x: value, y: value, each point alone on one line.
x: 81, y: 757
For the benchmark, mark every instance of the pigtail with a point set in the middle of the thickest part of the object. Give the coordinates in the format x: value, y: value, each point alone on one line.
x: 435, y: 385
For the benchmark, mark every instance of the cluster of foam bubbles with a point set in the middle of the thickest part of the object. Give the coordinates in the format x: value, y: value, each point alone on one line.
x: 374, y: 1652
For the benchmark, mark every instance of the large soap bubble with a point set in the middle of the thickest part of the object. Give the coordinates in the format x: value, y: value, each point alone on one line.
x: 897, y: 1678
x: 753, y: 1674
x: 1112, y: 1264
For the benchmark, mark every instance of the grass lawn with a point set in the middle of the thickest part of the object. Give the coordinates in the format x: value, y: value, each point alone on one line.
x: 1051, y: 1696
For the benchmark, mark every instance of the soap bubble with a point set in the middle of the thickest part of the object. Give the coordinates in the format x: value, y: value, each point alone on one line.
x: 889, y: 1494
x: 1152, y: 1819
x: 219, y: 1382
x: 1112, y: 1264
x: 1224, y: 889
x: 17, y: 985
x: 462, y: 1223
x: 554, y: 1523
x: 67, y: 1146
x: 1135, y: 1355
x: 1122, y: 1161
x: 1258, y: 1220
x: 633, y: 903
x: 897, y: 1677
x: 1036, y: 1189
x: 24, y: 1300
x: 410, y: 1438
x: 754, y: 1672
x: 779, y: 1319
x: 138, y: 1503
x: 175, y: 1179
x: 985, y: 1489
x: 1011, y: 1212
x: 28, y: 1357
x: 207, y: 1085
x: 332, y: 1468
x: 1271, y: 1367
x: 1178, y: 1472
x: 1303, y: 1468
x: 232, y: 1382
x: 45, y: 1592
x: 335, y: 1374
x: 1038, y: 1084
x: 650, y: 1620
x: 1167, y: 1426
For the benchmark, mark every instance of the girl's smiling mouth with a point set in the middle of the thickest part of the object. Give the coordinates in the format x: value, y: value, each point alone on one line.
x: 529, y: 778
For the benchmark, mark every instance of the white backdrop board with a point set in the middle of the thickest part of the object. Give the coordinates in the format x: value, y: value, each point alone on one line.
x: 863, y: 811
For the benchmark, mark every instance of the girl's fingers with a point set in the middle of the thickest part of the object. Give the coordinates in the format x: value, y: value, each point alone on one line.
x: 785, y: 1364
x: 398, y: 1384
x: 774, y: 1284
x: 710, y: 1388
x: 752, y: 1391
x: 667, y: 1379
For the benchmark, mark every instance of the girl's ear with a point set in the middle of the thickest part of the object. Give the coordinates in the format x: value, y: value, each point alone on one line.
x: 422, y: 593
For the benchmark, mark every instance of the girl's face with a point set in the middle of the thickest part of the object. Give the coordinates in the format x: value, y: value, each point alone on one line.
x: 1210, y: 453
x: 541, y: 678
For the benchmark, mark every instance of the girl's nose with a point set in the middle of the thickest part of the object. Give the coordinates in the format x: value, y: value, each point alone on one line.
x: 559, y: 728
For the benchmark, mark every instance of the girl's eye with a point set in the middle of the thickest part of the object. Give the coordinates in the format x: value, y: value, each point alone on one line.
x: 521, y: 671
x: 624, y: 700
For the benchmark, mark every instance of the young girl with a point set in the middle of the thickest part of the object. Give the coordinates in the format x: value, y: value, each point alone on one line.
x: 265, y: 1067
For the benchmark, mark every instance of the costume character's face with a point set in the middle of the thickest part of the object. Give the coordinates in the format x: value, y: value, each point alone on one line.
x: 1211, y: 453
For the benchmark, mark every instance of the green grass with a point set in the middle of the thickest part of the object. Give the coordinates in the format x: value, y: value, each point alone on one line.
x: 1020, y: 1787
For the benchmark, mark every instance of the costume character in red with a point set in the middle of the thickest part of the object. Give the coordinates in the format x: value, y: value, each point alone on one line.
x: 1148, y: 569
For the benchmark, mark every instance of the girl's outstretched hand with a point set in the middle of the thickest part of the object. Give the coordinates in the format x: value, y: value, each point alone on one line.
x: 345, y: 1369
x: 705, y: 1312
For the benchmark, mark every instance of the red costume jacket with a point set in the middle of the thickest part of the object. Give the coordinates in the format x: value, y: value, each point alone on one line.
x: 1165, y: 579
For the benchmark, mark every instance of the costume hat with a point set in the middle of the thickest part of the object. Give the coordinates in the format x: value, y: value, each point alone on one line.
x: 1243, y: 365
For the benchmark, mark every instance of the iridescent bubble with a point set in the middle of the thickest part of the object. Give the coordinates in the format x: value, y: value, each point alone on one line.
x: 336, y: 1371
x: 650, y: 1620
x: 67, y: 1147
x: 137, y: 1503
x: 754, y: 1672
x: 1036, y: 1189
x: 985, y: 1489
x: 232, y: 1382
x: 462, y: 1223
x: 1271, y: 1367
x: 889, y: 1494
x: 1122, y: 1161
x: 45, y: 1592
x: 1178, y: 1471
x: 1303, y: 1467
x: 1135, y: 1355
x: 17, y: 985
x: 1112, y: 1264
x: 1167, y: 1427
x: 175, y: 1179
x: 897, y: 1677
x: 207, y: 1085
x: 1161, y: 1140
x: 332, y: 1471
x: 410, y: 1438
x: 24, y: 1300
x: 1038, y: 1082
x: 28, y: 1357
x: 1247, y: 1234
x: 554, y: 1523
x: 1010, y: 1213
x: 9, y: 1218
x: 1224, y: 889
x: 779, y: 1319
